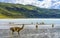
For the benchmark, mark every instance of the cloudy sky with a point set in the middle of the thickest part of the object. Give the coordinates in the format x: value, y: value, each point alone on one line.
x: 39, y: 3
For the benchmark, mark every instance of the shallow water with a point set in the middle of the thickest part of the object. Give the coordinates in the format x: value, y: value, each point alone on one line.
x: 31, y: 33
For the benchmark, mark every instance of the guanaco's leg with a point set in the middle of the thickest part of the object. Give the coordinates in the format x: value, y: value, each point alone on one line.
x: 18, y: 32
x: 12, y: 32
x: 36, y: 26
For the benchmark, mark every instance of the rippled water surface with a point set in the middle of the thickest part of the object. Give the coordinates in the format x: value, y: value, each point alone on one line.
x: 31, y: 33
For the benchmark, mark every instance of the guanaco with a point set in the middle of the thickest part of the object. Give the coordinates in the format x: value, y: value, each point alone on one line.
x: 17, y: 29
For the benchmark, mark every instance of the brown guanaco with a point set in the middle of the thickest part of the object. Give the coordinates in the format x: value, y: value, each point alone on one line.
x: 17, y: 29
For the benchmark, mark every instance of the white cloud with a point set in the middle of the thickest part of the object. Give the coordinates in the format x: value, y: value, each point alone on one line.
x: 43, y: 4
x: 25, y: 1
x: 56, y: 5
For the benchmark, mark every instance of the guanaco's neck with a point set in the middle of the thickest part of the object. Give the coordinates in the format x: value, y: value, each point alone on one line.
x: 23, y: 26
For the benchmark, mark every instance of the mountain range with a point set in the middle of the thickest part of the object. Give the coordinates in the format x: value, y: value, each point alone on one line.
x: 10, y: 10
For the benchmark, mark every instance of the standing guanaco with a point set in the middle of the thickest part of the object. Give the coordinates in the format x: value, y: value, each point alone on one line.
x: 17, y: 29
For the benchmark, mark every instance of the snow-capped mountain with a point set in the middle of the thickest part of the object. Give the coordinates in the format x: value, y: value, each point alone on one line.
x: 55, y: 4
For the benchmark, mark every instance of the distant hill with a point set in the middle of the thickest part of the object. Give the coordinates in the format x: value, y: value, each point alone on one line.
x: 9, y: 10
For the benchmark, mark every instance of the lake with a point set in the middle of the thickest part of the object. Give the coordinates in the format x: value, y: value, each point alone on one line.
x: 31, y: 33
